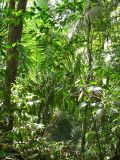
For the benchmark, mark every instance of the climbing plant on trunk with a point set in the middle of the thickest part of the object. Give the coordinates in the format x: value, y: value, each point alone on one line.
x: 16, y: 11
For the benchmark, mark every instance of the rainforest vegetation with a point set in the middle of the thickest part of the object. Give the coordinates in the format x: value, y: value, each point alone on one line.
x: 59, y: 80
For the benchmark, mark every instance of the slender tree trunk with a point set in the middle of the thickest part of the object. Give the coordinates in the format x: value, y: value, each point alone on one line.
x: 84, y: 128
x: 14, y: 36
x: 89, y: 51
x: 88, y: 78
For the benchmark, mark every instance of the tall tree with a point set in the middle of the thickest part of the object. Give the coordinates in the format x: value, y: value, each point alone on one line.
x: 15, y: 28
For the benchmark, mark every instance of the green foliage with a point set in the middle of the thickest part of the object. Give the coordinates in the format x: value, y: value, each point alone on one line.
x: 66, y: 96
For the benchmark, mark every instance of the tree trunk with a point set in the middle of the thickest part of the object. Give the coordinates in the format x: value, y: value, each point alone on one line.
x: 14, y: 37
x: 88, y: 78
